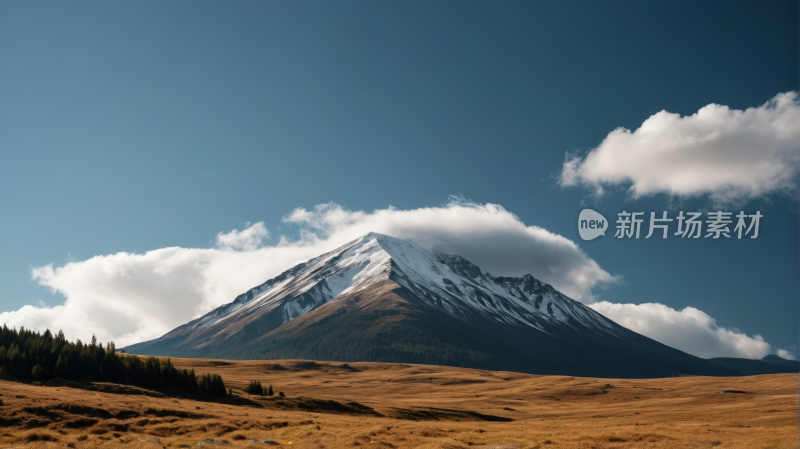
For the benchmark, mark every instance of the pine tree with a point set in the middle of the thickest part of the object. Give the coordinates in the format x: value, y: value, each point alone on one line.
x: 218, y: 386
x: 255, y: 388
x: 269, y: 392
x: 61, y: 367
x: 17, y: 362
x: 211, y: 384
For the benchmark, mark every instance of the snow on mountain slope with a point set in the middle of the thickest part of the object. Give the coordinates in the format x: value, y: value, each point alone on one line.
x: 448, y: 283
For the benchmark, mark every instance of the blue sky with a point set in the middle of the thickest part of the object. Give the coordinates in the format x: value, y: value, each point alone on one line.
x: 145, y: 125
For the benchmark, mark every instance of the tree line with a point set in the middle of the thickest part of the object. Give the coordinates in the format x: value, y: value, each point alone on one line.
x: 255, y: 388
x: 30, y: 355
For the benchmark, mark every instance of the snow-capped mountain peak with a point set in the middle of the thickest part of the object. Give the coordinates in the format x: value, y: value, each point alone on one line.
x: 380, y: 298
x: 447, y: 282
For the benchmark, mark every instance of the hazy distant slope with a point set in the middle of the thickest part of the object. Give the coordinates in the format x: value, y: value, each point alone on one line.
x: 751, y: 367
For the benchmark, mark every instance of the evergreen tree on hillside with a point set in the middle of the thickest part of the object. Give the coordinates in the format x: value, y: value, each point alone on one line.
x: 212, y: 384
x: 28, y: 355
x: 255, y: 388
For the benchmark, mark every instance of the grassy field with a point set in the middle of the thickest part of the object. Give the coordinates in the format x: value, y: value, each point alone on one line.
x: 376, y: 405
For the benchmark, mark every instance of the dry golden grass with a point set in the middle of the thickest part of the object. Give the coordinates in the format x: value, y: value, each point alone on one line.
x: 548, y: 412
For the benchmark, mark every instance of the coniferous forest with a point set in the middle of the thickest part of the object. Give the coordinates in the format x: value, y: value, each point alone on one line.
x: 33, y: 356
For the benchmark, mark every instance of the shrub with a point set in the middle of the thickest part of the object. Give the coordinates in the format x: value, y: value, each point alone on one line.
x: 37, y: 435
x: 39, y: 373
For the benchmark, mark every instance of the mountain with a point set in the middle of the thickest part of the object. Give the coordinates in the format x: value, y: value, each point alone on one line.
x: 773, y: 359
x: 379, y: 298
x: 771, y: 364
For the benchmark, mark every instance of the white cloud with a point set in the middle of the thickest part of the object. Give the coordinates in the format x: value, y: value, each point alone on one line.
x: 487, y: 235
x: 785, y: 354
x: 730, y: 154
x: 247, y: 240
x: 134, y: 297
x: 690, y: 330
